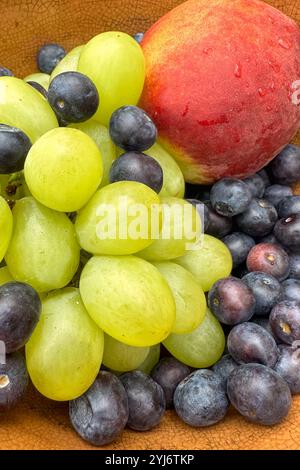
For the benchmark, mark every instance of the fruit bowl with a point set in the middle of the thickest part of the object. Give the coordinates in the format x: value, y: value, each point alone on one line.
x: 38, y: 423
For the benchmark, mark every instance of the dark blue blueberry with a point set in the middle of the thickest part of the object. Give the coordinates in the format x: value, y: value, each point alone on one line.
x: 259, y: 394
x: 269, y: 258
x: 288, y: 366
x: 266, y: 290
x: 295, y: 266
x: 231, y: 301
x: 288, y: 206
x: 218, y: 226
x: 4, y: 72
x: 239, y: 245
x: 285, y: 321
x: 259, y: 219
x: 14, y: 147
x: 146, y: 400
x: 290, y: 290
x: 200, y: 399
x: 250, y: 342
x: 230, y: 197
x: 285, y: 168
x: 275, y: 193
x: 139, y: 37
x: 100, y: 415
x: 287, y: 231
x: 268, y: 239
x: 202, y: 211
x: 168, y: 373
x: 49, y: 56
x: 37, y: 86
x: 264, y: 175
x: 256, y: 185
x: 73, y: 97
x: 20, y: 309
x: 134, y: 166
x: 13, y: 381
x: 132, y: 129
x: 224, y: 367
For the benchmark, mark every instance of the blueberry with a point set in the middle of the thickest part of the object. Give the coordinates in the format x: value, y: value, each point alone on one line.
x: 134, y: 166
x: 265, y: 177
x: 224, y: 367
x: 139, y: 37
x: 288, y: 206
x: 285, y: 168
x: 256, y: 185
x: 218, y: 226
x: 20, y: 309
x: 259, y: 394
x: 230, y: 197
x: 290, y: 290
x: 73, y: 97
x: 268, y: 239
x: 250, y: 342
x: 264, y: 323
x: 196, y: 191
x: 202, y: 211
x: 231, y: 301
x: 49, y: 56
x: 259, y: 219
x: 146, y: 400
x: 295, y: 266
x: 100, y: 415
x: 13, y: 381
x: 287, y: 231
x: 285, y: 321
x: 37, y: 86
x: 4, y: 72
x: 266, y: 290
x: 200, y: 399
x: 288, y: 366
x: 239, y: 245
x: 275, y: 193
x: 132, y: 129
x: 269, y: 258
x: 168, y: 373
x: 14, y: 147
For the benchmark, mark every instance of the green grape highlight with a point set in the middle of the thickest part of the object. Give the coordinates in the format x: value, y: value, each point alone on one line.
x: 21, y: 106
x: 6, y: 227
x: 119, y: 81
x: 151, y: 360
x: 210, y: 262
x: 122, y: 357
x: 189, y: 297
x: 69, y: 63
x: 118, y: 219
x: 174, y: 184
x: 63, y: 169
x: 41, y: 78
x: 202, y: 348
x: 43, y: 251
x: 128, y: 298
x: 181, y: 227
x: 101, y: 137
x: 5, y: 276
x: 64, y: 353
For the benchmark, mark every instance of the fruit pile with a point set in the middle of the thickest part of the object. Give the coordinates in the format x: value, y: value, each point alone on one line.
x: 125, y: 326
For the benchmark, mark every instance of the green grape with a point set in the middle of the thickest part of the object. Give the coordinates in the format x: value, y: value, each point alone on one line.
x: 181, y: 228
x: 128, y: 298
x: 118, y: 219
x: 122, y: 357
x: 189, y: 297
x: 65, y: 351
x: 114, y: 61
x: 151, y: 360
x: 6, y: 227
x: 202, y: 348
x: 63, y: 169
x: 69, y: 63
x: 21, y: 106
x: 101, y: 137
x: 174, y: 184
x: 43, y: 250
x: 5, y: 276
x: 210, y: 262
x: 41, y: 78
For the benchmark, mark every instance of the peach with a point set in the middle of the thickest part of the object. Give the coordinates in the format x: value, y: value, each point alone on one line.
x: 223, y: 85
